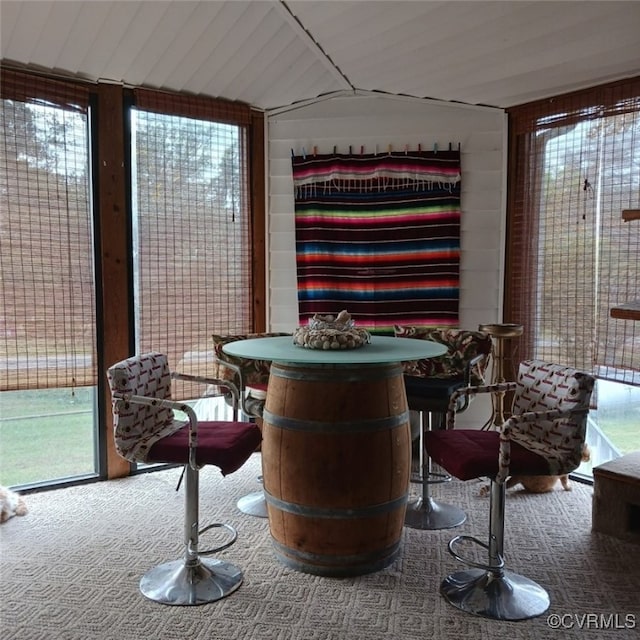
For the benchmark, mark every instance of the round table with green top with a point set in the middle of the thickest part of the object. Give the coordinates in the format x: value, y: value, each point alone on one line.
x: 336, y: 450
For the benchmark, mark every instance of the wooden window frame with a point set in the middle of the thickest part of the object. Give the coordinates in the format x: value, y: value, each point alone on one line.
x: 112, y: 193
x: 524, y: 189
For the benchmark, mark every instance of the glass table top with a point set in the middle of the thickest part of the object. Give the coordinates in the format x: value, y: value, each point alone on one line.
x: 381, y: 349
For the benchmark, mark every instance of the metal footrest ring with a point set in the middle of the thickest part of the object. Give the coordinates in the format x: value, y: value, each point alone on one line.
x: 439, y: 478
x: 486, y: 567
x: 226, y: 545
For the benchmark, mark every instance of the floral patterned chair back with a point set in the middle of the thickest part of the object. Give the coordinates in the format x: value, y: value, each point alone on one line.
x: 543, y: 391
x: 254, y: 373
x: 463, y: 347
x: 138, y: 427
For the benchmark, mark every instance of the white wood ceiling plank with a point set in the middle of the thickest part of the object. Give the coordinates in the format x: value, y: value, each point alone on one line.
x: 555, y: 45
x: 269, y: 42
x: 140, y: 34
x: 87, y: 25
x: 9, y: 19
x: 562, y: 78
x: 231, y: 55
x: 298, y: 69
x: 313, y: 46
x: 495, y: 52
x: 340, y: 25
x: 55, y: 37
x: 31, y: 19
x: 273, y: 87
x: 197, y: 65
x: 553, y: 50
x: 346, y: 28
x: 190, y: 21
x: 419, y: 47
x: 158, y: 43
x: 313, y: 81
x: 107, y: 41
x: 260, y: 88
x: 521, y: 22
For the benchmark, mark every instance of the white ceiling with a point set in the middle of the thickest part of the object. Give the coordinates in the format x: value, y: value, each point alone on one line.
x: 272, y: 54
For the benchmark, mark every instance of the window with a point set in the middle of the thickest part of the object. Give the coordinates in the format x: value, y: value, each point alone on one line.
x: 48, y: 319
x: 79, y: 290
x: 191, y: 230
x: 574, y: 167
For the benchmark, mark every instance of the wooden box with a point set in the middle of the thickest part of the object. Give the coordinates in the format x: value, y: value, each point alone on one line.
x: 616, y: 497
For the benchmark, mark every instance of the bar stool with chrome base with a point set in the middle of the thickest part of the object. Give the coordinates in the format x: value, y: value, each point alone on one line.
x: 251, y: 377
x: 429, y: 385
x: 544, y: 436
x: 145, y: 430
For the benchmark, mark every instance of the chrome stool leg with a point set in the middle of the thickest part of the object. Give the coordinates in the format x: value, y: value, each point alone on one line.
x: 254, y: 503
x: 193, y: 580
x: 489, y: 590
x: 425, y: 512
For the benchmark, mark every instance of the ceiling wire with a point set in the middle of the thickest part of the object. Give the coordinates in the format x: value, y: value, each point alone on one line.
x: 288, y: 13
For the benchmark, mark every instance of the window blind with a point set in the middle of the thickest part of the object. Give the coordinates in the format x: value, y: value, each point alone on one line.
x: 47, y: 321
x: 191, y: 226
x: 574, y: 166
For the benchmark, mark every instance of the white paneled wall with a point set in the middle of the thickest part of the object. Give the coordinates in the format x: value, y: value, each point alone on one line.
x: 371, y: 120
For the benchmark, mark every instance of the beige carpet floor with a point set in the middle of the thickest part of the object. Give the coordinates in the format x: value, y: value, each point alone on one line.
x: 70, y: 571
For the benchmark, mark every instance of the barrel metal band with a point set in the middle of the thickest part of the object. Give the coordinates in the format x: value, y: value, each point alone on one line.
x: 368, y: 426
x: 337, y: 512
x: 327, y: 373
x: 335, y: 565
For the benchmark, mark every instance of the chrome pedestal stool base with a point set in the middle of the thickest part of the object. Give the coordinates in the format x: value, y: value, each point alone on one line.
x: 193, y: 580
x: 425, y: 512
x: 181, y: 583
x: 254, y: 504
x: 489, y: 590
x: 501, y: 596
x: 429, y: 514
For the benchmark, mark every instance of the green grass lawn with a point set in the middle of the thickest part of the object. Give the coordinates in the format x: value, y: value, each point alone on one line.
x: 45, y: 435
x: 618, y: 415
x: 49, y: 434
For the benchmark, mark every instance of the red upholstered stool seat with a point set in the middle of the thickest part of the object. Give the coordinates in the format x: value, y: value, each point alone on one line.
x: 227, y: 445
x: 471, y: 453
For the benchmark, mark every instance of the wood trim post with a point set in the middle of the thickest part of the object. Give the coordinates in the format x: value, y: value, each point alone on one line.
x: 113, y: 222
x: 258, y: 222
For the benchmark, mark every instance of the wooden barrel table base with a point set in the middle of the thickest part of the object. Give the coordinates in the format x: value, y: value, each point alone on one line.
x: 336, y: 458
